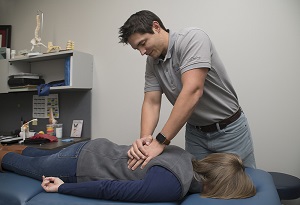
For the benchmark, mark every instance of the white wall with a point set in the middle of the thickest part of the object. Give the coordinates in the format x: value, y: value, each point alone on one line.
x: 259, y: 42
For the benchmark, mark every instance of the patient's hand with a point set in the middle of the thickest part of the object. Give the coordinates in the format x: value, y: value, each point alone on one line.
x: 51, y: 184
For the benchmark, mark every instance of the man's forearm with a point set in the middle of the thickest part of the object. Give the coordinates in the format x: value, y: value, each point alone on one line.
x: 181, y: 111
x: 149, y: 119
x: 192, y: 90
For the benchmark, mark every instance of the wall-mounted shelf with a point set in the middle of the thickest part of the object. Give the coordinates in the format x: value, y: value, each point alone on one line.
x: 52, y: 67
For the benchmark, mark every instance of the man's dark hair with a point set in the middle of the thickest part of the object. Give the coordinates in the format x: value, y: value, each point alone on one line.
x: 140, y: 22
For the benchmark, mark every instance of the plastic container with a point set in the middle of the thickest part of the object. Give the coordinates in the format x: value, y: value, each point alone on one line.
x: 58, y: 130
x: 13, y: 53
x: 50, y: 129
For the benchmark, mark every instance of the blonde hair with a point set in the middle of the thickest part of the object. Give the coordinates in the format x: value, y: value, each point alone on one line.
x: 223, y: 176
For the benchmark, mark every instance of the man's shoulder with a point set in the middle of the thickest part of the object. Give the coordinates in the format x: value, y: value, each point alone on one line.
x: 185, y: 35
x: 187, y: 30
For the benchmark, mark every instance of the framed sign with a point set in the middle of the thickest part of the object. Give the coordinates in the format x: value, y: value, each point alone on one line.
x: 76, y: 128
x: 5, y: 36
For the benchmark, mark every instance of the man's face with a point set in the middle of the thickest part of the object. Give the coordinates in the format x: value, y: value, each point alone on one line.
x: 148, y: 44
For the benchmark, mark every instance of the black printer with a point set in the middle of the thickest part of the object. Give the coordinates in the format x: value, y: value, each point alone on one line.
x: 25, y: 79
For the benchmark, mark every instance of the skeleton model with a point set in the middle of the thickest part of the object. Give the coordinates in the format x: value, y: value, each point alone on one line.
x: 52, y: 48
x: 36, y: 41
x: 70, y: 45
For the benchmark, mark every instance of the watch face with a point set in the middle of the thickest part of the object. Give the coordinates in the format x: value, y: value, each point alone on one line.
x: 162, y: 139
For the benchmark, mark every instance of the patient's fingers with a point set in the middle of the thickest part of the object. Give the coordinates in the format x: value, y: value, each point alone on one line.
x: 45, y: 180
x: 51, y: 184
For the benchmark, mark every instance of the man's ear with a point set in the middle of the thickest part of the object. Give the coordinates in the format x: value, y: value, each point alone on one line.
x: 156, y: 27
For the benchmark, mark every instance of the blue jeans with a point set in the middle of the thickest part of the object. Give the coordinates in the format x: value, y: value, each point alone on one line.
x: 235, y: 138
x: 35, y: 163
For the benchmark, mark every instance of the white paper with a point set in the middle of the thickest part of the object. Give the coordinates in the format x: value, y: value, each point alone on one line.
x: 76, y: 128
x: 42, y: 105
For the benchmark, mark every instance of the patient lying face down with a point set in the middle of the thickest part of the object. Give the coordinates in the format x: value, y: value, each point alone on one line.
x: 223, y: 176
x: 98, y: 169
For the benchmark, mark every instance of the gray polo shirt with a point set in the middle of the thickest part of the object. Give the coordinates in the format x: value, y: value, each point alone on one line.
x: 191, y: 48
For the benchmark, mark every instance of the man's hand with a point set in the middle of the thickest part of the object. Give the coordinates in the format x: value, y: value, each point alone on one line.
x: 51, y: 184
x: 137, y: 150
x: 153, y: 150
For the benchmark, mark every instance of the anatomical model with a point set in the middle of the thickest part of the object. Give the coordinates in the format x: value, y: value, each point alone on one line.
x: 36, y: 41
x: 52, y: 48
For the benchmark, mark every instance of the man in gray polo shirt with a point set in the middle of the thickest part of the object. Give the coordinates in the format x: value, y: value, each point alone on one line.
x: 185, y: 66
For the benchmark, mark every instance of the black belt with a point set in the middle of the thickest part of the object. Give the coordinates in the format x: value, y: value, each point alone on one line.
x: 222, y: 124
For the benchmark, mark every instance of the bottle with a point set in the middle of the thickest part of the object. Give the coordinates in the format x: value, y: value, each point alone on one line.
x: 13, y: 53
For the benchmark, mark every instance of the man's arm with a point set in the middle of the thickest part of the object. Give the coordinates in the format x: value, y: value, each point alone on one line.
x: 149, y: 119
x: 150, y: 112
x: 192, y: 90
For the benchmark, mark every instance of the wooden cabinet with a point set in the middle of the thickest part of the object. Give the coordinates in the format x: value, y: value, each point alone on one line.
x: 75, y: 67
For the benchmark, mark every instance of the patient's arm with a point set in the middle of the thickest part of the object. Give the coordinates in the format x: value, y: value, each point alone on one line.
x: 158, y: 185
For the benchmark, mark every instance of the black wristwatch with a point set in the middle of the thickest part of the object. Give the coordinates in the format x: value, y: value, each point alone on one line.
x: 162, y: 139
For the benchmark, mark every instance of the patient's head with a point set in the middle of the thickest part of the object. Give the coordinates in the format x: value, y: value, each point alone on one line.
x: 223, y: 176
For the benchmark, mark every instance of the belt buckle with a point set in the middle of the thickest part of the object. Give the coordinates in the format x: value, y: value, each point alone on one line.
x: 209, y: 128
x: 222, y: 125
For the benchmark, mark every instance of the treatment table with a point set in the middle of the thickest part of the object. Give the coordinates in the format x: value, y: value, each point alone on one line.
x: 21, y: 190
